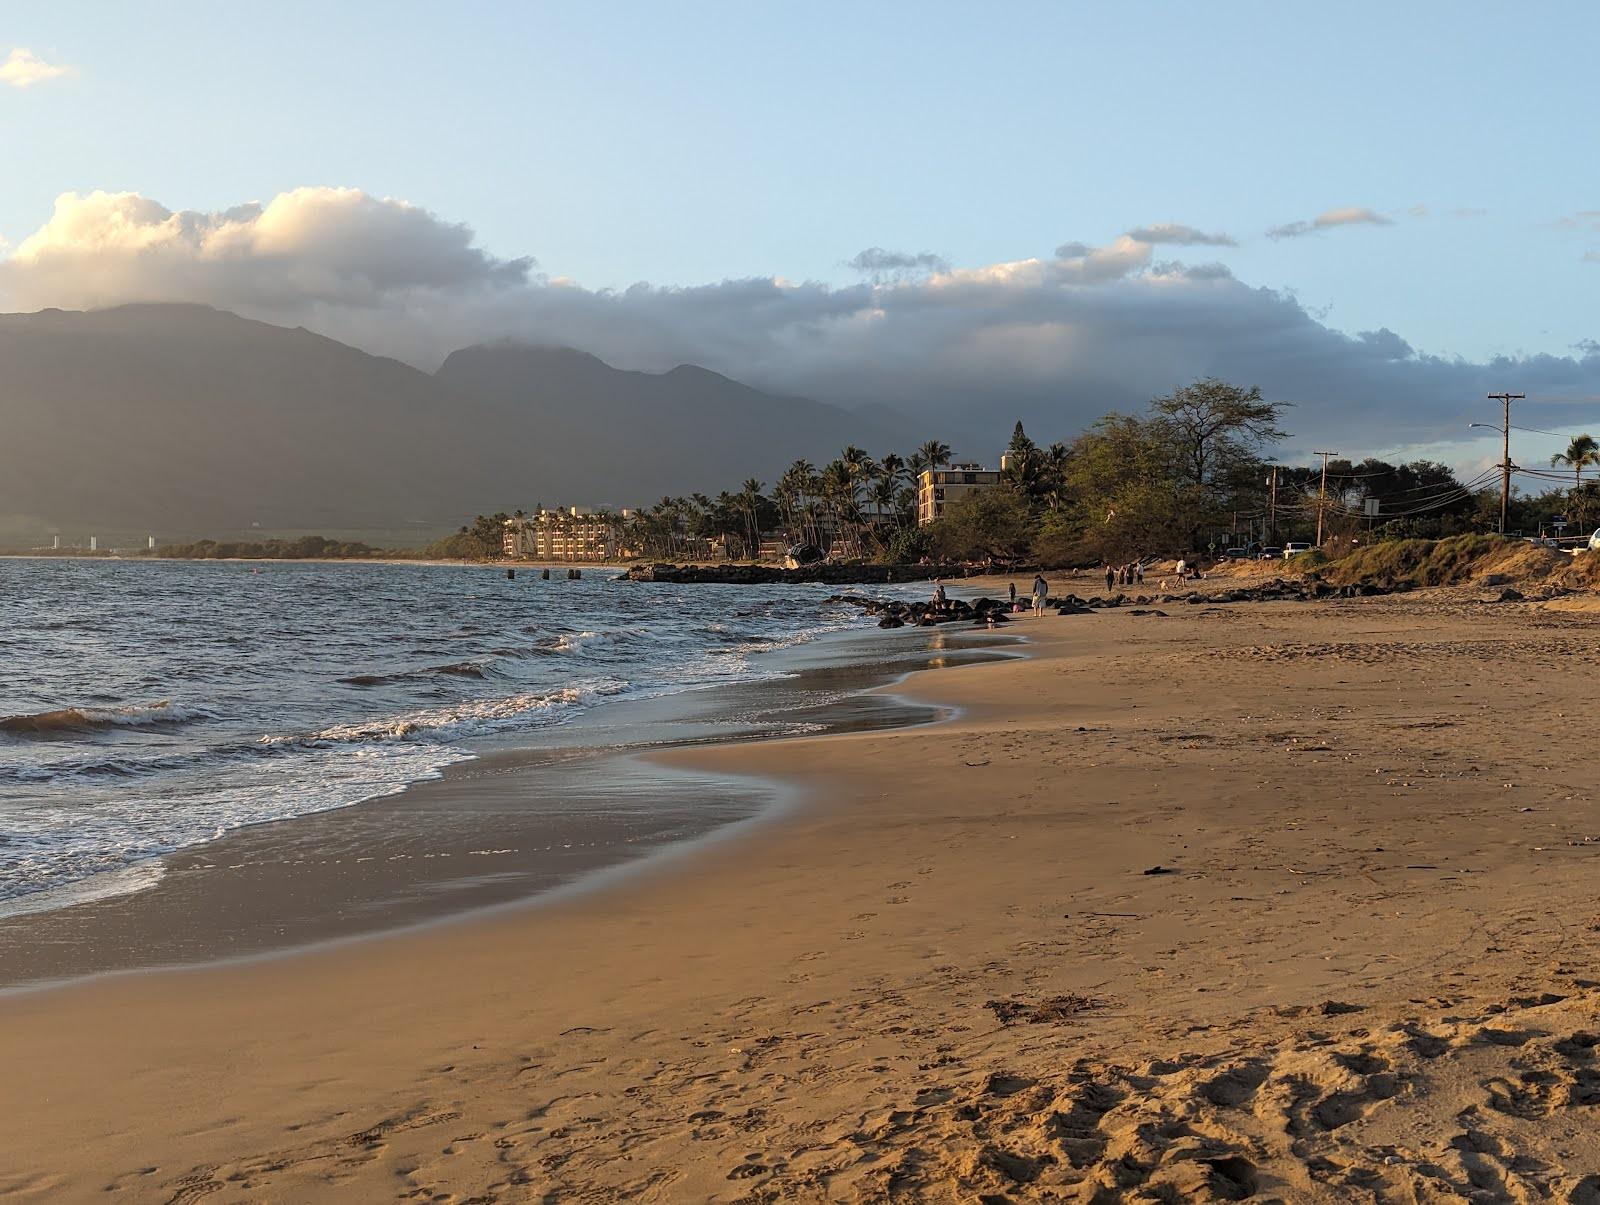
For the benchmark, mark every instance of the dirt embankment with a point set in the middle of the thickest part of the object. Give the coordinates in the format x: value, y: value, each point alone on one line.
x: 1469, y: 560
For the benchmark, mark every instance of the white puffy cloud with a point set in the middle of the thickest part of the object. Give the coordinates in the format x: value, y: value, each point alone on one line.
x: 312, y: 246
x: 1055, y: 339
x: 22, y: 69
x: 1351, y: 215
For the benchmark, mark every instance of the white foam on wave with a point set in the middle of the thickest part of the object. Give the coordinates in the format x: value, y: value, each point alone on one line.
x: 103, y: 886
x: 444, y: 724
x: 571, y: 642
x: 77, y: 851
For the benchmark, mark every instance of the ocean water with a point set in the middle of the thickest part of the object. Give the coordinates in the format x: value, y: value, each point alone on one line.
x: 146, y: 707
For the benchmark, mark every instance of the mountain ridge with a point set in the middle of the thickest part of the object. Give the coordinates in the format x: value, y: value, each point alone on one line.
x: 187, y: 420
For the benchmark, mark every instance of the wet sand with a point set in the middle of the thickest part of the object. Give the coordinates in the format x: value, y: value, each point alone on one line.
x: 566, y: 808
x: 1268, y: 901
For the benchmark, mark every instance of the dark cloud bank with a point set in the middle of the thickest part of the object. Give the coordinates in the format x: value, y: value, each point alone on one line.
x: 1056, y: 340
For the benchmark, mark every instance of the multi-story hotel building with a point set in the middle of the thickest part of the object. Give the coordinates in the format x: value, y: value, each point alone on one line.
x: 937, y: 488
x: 565, y: 534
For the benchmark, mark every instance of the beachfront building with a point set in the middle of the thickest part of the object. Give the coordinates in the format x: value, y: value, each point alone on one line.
x: 937, y: 488
x: 565, y: 534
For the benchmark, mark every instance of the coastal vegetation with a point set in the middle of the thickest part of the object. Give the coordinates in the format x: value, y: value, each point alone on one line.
x: 304, y: 548
x: 1194, y: 473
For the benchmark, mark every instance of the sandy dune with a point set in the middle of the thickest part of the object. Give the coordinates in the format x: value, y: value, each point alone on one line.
x: 1362, y: 973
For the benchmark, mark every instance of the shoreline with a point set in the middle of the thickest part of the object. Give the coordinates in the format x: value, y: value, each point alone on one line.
x: 592, y: 763
x: 1260, y: 899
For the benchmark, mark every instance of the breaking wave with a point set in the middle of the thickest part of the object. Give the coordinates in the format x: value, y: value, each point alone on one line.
x: 65, y: 720
x: 444, y: 724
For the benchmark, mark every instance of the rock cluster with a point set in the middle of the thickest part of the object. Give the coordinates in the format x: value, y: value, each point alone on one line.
x: 980, y: 612
x: 829, y: 573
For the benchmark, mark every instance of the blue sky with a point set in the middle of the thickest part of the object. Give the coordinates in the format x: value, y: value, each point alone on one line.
x: 688, y: 144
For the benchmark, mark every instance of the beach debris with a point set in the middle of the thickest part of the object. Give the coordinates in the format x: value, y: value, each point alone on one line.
x: 1159, y: 869
x: 1338, y: 1008
x: 1051, y: 1010
x: 984, y: 762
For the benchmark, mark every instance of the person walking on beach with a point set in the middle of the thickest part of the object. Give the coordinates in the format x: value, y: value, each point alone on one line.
x: 1041, y: 594
x: 1111, y: 579
x: 1013, y: 596
x: 1138, y: 569
x: 1183, y: 569
x: 938, y: 595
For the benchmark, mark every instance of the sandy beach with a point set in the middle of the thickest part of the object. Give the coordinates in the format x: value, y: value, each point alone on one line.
x: 1277, y: 901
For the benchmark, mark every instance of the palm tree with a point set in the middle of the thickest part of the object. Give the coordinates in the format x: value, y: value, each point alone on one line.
x: 1055, y: 459
x: 1581, y: 452
x: 892, y: 468
x: 840, y: 489
x: 884, y: 494
x: 934, y: 455
x: 749, y: 498
x: 791, y: 493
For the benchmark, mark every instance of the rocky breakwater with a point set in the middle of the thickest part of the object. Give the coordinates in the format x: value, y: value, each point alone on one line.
x: 832, y: 574
x: 892, y: 613
x: 987, y: 612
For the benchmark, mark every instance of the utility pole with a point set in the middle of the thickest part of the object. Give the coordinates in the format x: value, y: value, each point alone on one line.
x: 1272, y: 506
x: 1322, y: 491
x: 1505, y: 399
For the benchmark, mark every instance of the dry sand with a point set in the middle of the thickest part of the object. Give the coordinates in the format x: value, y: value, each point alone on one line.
x: 1363, y: 975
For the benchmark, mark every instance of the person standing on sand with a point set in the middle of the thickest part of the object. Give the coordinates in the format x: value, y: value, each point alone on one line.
x: 938, y: 595
x: 1111, y: 579
x: 1183, y: 569
x: 1041, y: 594
x: 1013, y: 596
x: 1138, y: 570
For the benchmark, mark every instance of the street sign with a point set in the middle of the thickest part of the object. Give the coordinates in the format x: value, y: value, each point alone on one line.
x: 1370, y: 506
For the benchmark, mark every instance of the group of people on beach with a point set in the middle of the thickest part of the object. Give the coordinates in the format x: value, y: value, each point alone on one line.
x: 1041, y: 595
x: 1131, y: 574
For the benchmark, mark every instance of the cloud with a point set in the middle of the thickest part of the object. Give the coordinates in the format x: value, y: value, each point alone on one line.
x: 327, y: 246
x: 1055, y: 340
x: 875, y: 261
x: 1183, y: 236
x: 1591, y: 257
x: 1348, y: 216
x: 22, y: 69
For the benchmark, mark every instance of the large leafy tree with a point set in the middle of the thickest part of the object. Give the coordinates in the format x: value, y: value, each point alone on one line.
x: 1217, y: 429
x: 988, y: 524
